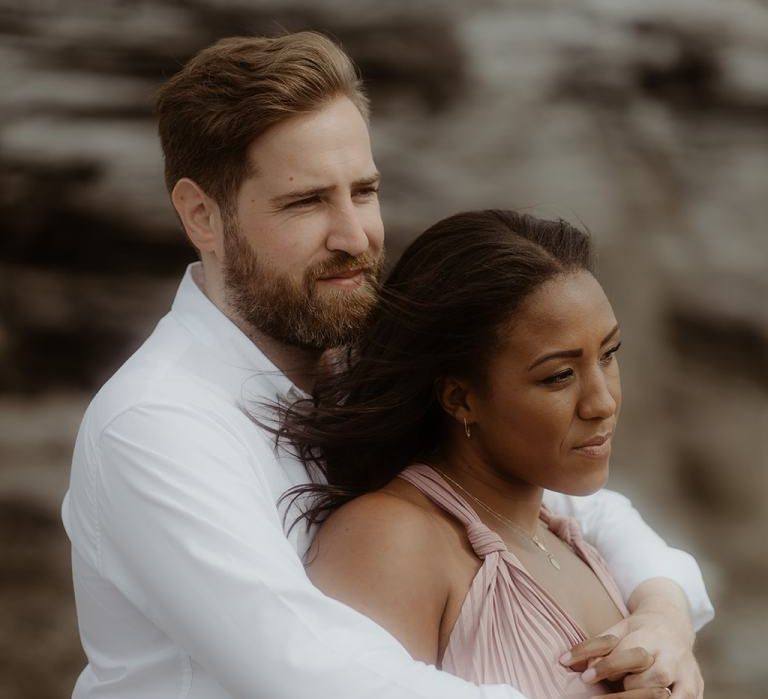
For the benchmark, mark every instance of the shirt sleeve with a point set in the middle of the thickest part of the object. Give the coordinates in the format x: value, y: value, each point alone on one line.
x: 189, y: 533
x: 633, y: 551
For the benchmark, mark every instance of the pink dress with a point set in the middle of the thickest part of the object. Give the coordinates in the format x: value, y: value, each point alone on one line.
x: 509, y: 629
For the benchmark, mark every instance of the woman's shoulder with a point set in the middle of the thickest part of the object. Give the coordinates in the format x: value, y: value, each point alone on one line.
x: 392, y: 521
x: 378, y: 555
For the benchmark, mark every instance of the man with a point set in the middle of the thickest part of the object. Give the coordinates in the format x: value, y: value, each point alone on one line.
x: 186, y: 585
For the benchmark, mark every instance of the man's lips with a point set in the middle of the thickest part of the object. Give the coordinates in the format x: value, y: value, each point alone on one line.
x: 349, y: 277
x: 348, y: 274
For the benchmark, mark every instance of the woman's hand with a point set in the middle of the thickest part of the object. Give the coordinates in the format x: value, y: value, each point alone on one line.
x: 674, y: 664
x: 651, y: 649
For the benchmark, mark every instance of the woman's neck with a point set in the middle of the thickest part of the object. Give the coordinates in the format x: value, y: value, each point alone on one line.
x: 503, y: 497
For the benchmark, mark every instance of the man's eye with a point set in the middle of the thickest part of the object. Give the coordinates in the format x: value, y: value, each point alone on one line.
x: 307, y: 201
x: 560, y: 377
x: 367, y: 192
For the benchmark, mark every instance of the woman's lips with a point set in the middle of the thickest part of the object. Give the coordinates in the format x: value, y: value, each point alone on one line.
x: 597, y: 447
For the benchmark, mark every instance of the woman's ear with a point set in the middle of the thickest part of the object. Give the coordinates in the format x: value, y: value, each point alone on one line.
x: 200, y: 216
x: 453, y: 394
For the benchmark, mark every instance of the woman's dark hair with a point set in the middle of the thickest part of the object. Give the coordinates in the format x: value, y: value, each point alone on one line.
x: 444, y: 311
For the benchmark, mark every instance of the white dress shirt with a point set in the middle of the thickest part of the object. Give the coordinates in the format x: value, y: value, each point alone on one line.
x: 187, y: 586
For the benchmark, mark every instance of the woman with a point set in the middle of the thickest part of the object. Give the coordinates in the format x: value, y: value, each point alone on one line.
x: 487, y: 375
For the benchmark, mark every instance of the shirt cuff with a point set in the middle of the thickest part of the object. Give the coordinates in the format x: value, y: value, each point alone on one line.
x: 681, y: 568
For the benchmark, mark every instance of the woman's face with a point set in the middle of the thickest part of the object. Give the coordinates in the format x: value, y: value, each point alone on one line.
x: 551, y: 401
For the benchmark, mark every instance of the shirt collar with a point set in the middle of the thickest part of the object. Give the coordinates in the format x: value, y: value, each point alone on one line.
x: 201, y: 317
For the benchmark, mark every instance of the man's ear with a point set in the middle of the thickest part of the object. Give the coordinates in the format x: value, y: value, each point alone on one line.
x: 453, y: 394
x: 200, y: 216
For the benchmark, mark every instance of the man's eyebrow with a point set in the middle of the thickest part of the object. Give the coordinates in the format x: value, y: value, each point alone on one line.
x: 297, y: 194
x: 571, y: 353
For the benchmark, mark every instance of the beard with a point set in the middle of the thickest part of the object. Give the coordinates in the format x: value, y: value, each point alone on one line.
x: 294, y: 311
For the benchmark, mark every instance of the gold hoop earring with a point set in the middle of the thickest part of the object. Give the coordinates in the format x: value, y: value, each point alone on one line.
x: 467, y: 430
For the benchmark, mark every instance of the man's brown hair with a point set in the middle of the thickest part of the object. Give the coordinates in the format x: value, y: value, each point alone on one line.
x: 230, y: 93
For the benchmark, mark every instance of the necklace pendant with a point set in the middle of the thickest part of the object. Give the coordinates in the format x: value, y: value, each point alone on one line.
x: 535, y: 539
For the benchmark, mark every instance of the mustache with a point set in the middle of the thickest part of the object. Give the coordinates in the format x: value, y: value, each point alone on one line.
x: 343, y: 262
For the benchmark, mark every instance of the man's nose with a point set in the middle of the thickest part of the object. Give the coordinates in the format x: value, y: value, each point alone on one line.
x: 597, y: 399
x: 347, y: 231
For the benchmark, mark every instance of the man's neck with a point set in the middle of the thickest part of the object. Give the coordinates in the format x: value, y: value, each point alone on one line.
x: 298, y: 364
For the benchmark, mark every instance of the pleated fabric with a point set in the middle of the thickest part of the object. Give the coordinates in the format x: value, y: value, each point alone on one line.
x: 509, y: 629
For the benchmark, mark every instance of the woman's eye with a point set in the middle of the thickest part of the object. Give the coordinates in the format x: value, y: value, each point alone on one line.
x: 607, y: 358
x: 367, y: 192
x: 560, y: 377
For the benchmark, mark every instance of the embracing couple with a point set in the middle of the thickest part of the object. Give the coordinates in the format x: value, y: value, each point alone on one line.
x: 309, y: 483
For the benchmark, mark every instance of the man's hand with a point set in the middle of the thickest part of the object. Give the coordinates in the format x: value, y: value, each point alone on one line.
x: 654, y: 647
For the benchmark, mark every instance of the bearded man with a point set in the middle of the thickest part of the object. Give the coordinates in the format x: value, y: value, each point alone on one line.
x: 186, y: 583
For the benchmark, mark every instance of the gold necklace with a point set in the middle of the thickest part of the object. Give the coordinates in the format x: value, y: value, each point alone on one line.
x: 515, y: 526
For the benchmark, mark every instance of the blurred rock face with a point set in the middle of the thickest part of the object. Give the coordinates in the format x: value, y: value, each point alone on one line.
x: 647, y: 122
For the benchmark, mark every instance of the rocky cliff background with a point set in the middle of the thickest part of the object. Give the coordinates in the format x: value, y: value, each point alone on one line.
x: 644, y: 120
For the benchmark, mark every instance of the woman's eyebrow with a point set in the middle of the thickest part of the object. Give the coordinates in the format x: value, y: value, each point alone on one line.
x: 559, y: 354
x: 610, y: 335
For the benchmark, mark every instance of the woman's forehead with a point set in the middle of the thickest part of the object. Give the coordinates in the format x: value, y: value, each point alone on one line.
x: 563, y: 313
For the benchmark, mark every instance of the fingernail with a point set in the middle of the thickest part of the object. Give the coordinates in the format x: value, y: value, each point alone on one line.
x: 589, y: 675
x: 566, y: 658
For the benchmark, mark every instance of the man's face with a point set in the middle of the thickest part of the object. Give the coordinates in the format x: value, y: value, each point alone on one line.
x: 304, y: 244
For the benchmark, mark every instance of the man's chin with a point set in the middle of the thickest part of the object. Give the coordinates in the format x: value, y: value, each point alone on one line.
x: 332, y: 315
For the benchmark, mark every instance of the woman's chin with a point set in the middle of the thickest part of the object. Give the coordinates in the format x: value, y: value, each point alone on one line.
x: 588, y: 483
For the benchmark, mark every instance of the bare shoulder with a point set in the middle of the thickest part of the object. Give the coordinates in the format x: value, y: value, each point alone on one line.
x: 384, y: 522
x: 378, y: 554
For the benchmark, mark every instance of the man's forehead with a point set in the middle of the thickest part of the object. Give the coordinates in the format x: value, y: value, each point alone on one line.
x: 283, y: 178
x: 343, y: 168
x: 322, y: 150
